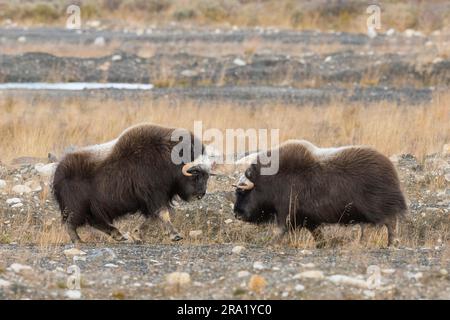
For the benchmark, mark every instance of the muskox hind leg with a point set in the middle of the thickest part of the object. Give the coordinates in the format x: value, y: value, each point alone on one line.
x: 391, y: 226
x: 72, y: 223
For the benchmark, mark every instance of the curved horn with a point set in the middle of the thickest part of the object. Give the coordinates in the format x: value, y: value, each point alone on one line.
x: 185, y: 169
x: 245, y: 184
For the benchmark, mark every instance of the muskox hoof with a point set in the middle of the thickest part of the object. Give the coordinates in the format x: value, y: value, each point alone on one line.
x: 176, y: 237
x: 394, y: 243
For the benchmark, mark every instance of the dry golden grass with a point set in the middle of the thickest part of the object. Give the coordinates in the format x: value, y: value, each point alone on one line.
x: 35, y: 127
x: 349, y: 15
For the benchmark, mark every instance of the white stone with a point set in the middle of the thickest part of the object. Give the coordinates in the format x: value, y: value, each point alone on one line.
x: 388, y: 271
x: 20, y: 188
x: 237, y: 249
x: 74, y: 252
x: 116, y: 57
x: 45, y: 170
x: 307, y: 265
x: 258, y: 265
x: 228, y: 221
x: 17, y: 205
x: 189, y: 73
x: 447, y: 177
x: 99, y: 41
x: 328, y: 59
x: 34, y: 186
x: 299, y: 287
x: 13, y: 201
x: 178, y: 278
x: 339, y: 279
x: 312, y: 274
x: 73, y: 294
x: 390, y: 32
x: 4, y: 283
x: 2, y: 184
x: 239, y: 62
x: 195, y: 233
x: 111, y: 265
x: 17, y: 268
x: 22, y: 39
x: 243, y: 274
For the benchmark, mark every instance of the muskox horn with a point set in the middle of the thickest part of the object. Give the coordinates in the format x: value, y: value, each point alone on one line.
x: 245, y: 184
x: 186, y: 168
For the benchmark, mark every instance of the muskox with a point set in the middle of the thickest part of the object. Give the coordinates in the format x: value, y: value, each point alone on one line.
x: 135, y: 172
x: 315, y: 186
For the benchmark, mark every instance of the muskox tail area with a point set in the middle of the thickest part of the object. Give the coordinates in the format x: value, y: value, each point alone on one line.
x: 71, y: 186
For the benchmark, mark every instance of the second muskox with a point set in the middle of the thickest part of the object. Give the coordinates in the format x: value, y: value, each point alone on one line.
x: 135, y: 172
x: 316, y: 186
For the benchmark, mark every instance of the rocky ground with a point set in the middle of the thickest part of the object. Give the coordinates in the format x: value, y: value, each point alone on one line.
x: 221, y: 257
x: 236, y: 63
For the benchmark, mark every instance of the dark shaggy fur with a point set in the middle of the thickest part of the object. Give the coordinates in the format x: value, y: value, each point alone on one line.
x: 357, y: 185
x: 138, y: 175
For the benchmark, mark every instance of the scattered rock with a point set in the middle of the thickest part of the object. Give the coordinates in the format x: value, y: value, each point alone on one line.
x: 99, y: 41
x: 2, y: 184
x: 239, y: 62
x: 195, y: 233
x: 111, y: 265
x: 390, y: 32
x: 243, y: 274
x: 34, y: 186
x: 443, y: 272
x: 339, y: 279
x: 4, y: 283
x: 20, y: 188
x: 178, y: 279
x: 228, y: 221
x: 74, y: 252
x: 18, y: 268
x: 312, y: 274
x: 189, y: 73
x: 45, y: 170
x: 257, y: 283
x: 73, y: 294
x: 237, y: 249
x: 22, y: 39
x: 299, y: 287
x: 17, y: 205
x: 13, y: 201
x: 116, y: 57
x: 258, y: 265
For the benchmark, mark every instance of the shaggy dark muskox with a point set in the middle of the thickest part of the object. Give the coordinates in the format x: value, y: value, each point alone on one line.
x: 135, y: 172
x: 317, y: 186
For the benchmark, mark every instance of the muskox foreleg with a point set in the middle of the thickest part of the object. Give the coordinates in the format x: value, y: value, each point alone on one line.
x: 109, y: 229
x: 280, y: 230
x: 164, y: 217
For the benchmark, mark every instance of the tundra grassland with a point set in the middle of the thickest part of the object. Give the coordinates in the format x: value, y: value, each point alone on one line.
x: 36, y: 127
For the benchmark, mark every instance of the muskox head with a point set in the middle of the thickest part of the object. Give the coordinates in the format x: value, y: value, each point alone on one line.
x: 194, y: 180
x: 253, y: 197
